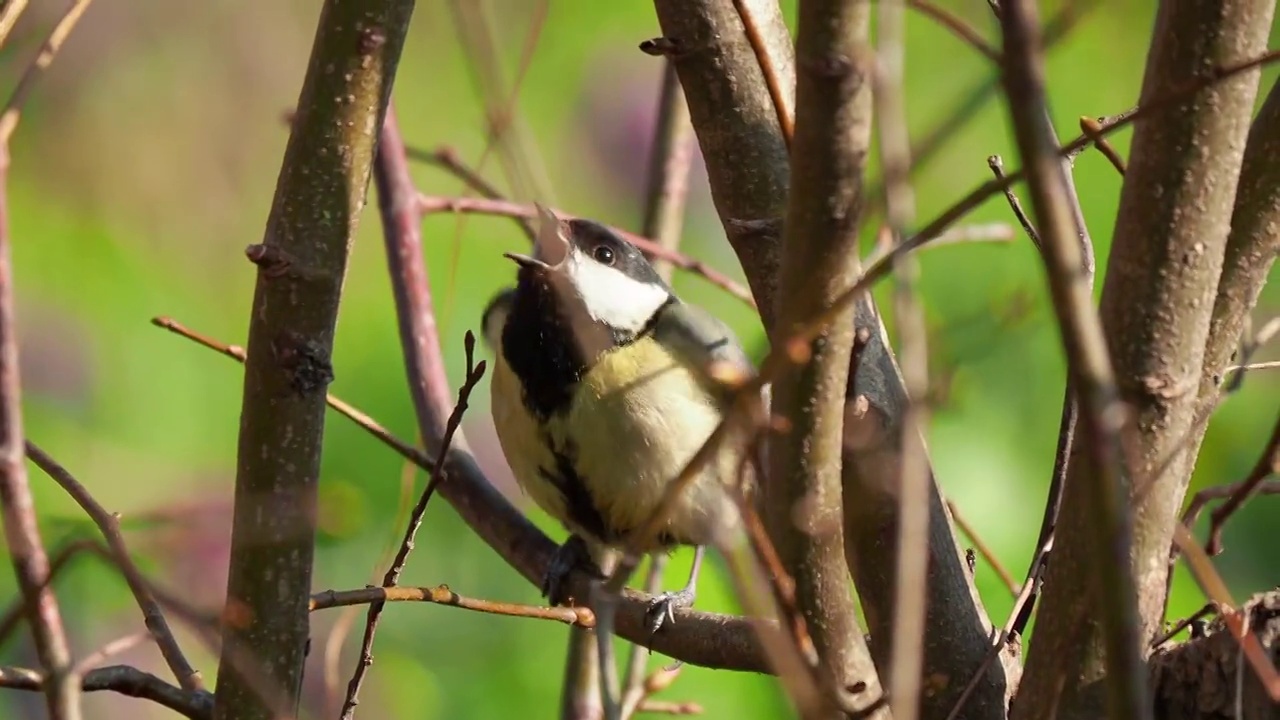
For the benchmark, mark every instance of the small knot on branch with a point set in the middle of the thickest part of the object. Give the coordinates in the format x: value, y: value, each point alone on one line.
x: 662, y: 47
x: 307, y: 362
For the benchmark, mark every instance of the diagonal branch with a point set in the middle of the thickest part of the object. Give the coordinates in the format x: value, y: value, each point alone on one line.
x: 319, y: 195
x: 124, y: 680
x: 109, y: 524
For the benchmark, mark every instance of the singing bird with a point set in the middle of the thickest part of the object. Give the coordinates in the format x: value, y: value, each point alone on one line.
x: 601, y: 395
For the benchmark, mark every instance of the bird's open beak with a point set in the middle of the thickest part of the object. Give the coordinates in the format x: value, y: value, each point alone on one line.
x: 550, y: 246
x: 526, y: 261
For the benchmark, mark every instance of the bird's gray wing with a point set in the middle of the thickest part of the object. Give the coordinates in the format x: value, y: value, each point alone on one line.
x: 699, y: 339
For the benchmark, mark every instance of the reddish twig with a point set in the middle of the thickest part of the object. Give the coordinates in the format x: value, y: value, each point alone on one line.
x: 984, y: 550
x: 17, y: 509
x: 397, y: 206
x: 58, y: 561
x: 1211, y: 583
x: 107, y: 651
x: 957, y: 27
x: 663, y: 707
x: 109, y: 525
x: 773, y: 80
x: 504, y: 208
x: 1268, y: 464
x: 442, y: 595
x: 41, y: 62
x: 373, y: 427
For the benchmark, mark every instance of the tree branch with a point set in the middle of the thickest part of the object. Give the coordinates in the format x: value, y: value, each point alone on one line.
x: 125, y: 680
x: 319, y: 195
x: 748, y: 168
x: 819, y: 260
x: 1251, y: 249
x: 109, y: 525
x: 1156, y: 306
x: 17, y: 509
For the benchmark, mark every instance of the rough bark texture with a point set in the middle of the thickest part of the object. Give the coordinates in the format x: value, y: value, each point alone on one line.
x: 1252, y: 244
x: 1200, y: 679
x: 819, y: 261
x: 747, y: 165
x: 1166, y: 258
x: 737, y: 125
x: 319, y: 195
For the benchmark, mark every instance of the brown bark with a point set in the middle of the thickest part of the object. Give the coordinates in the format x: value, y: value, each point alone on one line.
x: 819, y: 261
x: 319, y: 196
x: 1166, y: 257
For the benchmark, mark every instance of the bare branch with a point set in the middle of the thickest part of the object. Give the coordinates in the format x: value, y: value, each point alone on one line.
x: 442, y: 595
x: 474, y: 373
x: 125, y: 680
x: 17, y: 509
x: 956, y: 26
x: 319, y: 196
x: 781, y: 87
x: 58, y: 561
x: 912, y: 573
x: 43, y: 59
x: 1251, y: 249
x: 371, y: 426
x: 109, y: 525
x: 1102, y: 487
x: 1268, y: 464
x: 819, y: 252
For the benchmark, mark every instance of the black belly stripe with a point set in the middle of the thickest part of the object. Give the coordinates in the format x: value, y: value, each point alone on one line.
x: 580, y: 504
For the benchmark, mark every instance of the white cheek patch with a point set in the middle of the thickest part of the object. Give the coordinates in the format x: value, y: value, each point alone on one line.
x: 598, y: 299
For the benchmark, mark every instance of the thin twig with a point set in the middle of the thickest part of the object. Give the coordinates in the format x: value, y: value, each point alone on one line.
x: 125, y: 680
x: 1093, y: 129
x: 662, y: 707
x: 1082, y: 335
x: 983, y: 549
x: 957, y: 26
x: 1268, y: 464
x: 373, y: 427
x: 17, y: 508
x: 772, y: 78
x: 108, y: 651
x: 1271, y: 365
x: 475, y: 371
x: 996, y: 163
x: 907, y: 666
x: 1235, y: 618
x: 58, y: 561
x: 109, y: 525
x: 1183, y: 624
x: 670, y: 161
x: 504, y: 208
x: 41, y: 62
x: 442, y: 595
x: 9, y: 15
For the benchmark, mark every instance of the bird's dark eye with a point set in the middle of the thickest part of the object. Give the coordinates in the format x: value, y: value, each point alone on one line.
x: 603, y: 254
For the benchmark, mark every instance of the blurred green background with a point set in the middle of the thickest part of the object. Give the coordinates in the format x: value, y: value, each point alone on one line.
x: 146, y: 162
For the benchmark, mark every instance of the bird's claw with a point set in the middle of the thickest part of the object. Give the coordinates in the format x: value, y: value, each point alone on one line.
x: 572, y: 555
x: 662, y: 608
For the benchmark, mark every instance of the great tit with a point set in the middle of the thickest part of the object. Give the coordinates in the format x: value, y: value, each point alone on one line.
x: 601, y: 395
